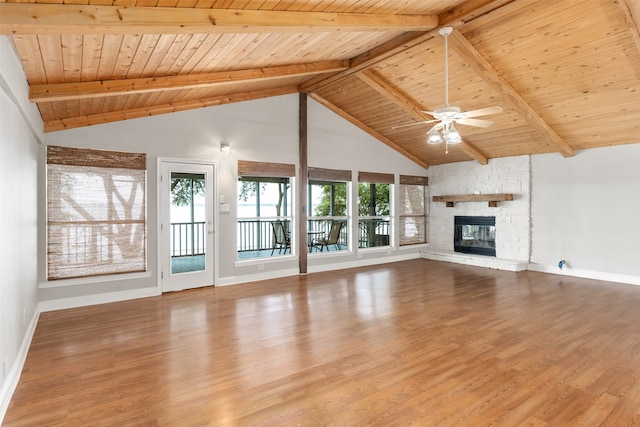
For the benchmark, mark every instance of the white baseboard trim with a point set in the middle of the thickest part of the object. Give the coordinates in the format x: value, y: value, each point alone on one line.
x: 362, y: 262
x: 83, y: 301
x: 11, y: 382
x: 235, y: 280
x: 475, y: 260
x: 585, y: 274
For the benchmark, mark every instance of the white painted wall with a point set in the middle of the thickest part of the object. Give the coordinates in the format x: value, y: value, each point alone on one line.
x: 586, y: 210
x: 18, y: 220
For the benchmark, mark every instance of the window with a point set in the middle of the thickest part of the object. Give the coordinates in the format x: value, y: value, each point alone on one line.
x: 264, y: 209
x: 328, y: 206
x: 96, y: 212
x: 374, y: 214
x: 412, y: 212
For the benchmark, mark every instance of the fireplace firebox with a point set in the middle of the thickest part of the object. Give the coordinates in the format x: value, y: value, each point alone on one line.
x: 475, y: 235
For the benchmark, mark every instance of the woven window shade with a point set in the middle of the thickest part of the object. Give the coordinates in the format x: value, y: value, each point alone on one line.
x: 319, y: 174
x: 375, y: 178
x: 412, y: 216
x: 414, y: 180
x: 262, y: 169
x: 96, y: 212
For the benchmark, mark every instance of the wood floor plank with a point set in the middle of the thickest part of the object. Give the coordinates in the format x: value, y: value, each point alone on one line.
x: 411, y: 343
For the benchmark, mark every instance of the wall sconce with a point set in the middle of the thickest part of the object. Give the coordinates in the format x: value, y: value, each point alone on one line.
x: 224, y: 147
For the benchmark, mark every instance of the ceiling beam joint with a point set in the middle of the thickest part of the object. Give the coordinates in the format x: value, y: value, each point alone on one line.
x: 631, y: 12
x: 454, y: 17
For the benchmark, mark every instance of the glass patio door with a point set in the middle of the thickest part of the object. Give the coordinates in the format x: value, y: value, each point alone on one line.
x: 186, y: 225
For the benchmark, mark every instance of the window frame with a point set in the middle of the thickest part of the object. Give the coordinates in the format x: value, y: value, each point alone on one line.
x: 250, y: 171
x: 320, y: 176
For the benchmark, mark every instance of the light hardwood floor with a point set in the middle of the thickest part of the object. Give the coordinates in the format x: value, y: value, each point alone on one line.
x: 412, y: 343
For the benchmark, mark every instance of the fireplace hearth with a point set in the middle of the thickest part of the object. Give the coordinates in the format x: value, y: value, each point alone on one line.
x: 475, y: 235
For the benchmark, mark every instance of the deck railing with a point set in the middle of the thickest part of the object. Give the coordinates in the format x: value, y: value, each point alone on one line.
x: 256, y: 234
x: 187, y: 238
x: 373, y: 231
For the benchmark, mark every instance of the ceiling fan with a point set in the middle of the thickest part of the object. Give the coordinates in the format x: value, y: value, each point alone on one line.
x: 445, y: 117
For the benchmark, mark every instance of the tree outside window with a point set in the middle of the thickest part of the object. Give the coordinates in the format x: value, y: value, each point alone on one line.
x: 374, y: 222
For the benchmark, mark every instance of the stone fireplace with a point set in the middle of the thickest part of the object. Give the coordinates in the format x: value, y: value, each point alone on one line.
x: 512, y: 217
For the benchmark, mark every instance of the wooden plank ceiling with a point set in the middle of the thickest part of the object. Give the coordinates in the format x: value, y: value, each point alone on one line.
x: 566, y: 74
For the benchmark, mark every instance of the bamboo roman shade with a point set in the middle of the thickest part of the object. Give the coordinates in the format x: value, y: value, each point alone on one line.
x: 374, y: 177
x: 96, y: 212
x: 412, y: 212
x: 263, y: 169
x: 414, y: 180
x: 319, y: 174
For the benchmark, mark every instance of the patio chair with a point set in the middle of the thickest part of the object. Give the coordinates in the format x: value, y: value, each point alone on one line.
x: 332, y: 239
x: 281, y: 239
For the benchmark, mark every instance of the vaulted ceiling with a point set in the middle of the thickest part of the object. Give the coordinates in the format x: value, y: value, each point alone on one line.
x: 565, y: 73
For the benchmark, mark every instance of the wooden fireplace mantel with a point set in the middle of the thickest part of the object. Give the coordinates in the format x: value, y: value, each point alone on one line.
x: 493, y: 199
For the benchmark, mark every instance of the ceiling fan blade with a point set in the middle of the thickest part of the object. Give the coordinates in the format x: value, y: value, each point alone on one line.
x: 413, y: 124
x: 475, y: 122
x: 483, y: 111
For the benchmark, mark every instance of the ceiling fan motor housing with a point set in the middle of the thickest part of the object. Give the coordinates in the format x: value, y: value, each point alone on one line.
x: 447, y: 113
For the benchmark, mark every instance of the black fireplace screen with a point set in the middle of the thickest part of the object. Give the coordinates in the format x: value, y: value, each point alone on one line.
x: 475, y: 235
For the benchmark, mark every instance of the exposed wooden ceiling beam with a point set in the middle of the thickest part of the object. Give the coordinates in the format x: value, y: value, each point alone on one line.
x: 454, y: 17
x: 473, y: 152
x: 90, y: 89
x: 367, y: 129
x: 471, y: 10
x: 498, y: 14
x: 393, y: 93
x: 410, y: 106
x: 30, y: 18
x: 114, y: 116
x: 631, y: 12
x: 472, y: 57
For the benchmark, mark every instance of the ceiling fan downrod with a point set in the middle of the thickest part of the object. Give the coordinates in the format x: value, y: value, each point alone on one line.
x: 445, y: 32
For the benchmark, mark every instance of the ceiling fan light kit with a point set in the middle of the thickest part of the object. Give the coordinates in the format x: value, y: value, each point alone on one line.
x: 434, y: 137
x: 451, y: 135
